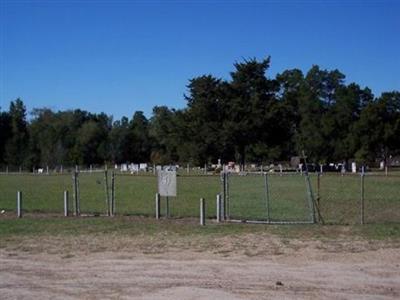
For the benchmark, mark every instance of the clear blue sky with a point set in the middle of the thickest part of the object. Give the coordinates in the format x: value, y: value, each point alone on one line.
x: 122, y: 56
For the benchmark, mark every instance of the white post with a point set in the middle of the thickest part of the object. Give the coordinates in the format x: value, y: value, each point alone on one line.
x: 47, y: 170
x: 19, y: 204
x: 202, y: 212
x: 157, y: 206
x: 218, y: 208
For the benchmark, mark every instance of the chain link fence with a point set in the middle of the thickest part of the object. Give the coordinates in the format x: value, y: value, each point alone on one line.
x: 270, y: 198
x: 264, y: 197
x: 135, y: 195
x: 41, y: 193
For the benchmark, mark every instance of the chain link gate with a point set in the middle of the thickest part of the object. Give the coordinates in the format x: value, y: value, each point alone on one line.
x: 284, y: 198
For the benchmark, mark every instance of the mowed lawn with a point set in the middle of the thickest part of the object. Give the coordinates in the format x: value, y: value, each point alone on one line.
x: 287, y: 195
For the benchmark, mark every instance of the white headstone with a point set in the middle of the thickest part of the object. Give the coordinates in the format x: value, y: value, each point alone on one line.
x: 167, y: 183
x: 353, y: 167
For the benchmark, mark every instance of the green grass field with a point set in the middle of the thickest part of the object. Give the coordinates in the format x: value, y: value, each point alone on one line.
x: 288, y: 198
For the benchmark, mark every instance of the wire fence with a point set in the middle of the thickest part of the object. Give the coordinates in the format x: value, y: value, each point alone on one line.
x: 270, y: 198
x: 274, y: 198
x: 135, y: 194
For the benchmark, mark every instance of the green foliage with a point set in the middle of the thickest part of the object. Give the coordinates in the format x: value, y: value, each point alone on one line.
x: 249, y: 117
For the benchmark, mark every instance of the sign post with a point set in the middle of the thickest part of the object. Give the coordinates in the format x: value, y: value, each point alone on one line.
x: 167, y: 187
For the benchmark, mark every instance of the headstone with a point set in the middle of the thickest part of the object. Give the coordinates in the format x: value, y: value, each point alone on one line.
x: 353, y: 167
x: 167, y: 183
x: 382, y: 165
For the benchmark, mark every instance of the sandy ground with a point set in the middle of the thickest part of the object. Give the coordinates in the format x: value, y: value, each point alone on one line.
x: 246, y: 267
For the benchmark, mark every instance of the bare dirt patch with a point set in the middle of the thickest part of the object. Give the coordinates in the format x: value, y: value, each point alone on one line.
x: 245, y: 266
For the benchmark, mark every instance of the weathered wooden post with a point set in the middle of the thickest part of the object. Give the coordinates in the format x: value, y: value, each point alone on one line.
x: 157, y: 206
x: 19, y: 204
x: 218, y: 208
x: 202, y: 212
x: 65, y: 203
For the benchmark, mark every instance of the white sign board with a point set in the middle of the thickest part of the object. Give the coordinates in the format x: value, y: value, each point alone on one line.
x: 167, y: 183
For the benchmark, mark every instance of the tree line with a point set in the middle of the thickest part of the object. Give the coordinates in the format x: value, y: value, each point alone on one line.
x: 249, y: 118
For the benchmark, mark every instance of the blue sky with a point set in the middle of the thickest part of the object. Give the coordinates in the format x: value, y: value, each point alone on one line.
x: 121, y: 56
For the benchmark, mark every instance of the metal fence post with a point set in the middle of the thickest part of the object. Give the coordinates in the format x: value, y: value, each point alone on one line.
x: 157, y: 206
x: 362, y: 199
x: 106, y: 191
x: 65, y: 203
x: 112, y: 193
x: 76, y: 193
x: 167, y: 213
x: 267, y: 195
x: 223, y: 191
x: 19, y: 204
x: 218, y: 208
x: 318, y: 194
x: 227, y: 200
x: 202, y: 212
x: 311, y: 200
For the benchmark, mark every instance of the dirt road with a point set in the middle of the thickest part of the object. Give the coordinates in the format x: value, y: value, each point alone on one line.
x: 233, y: 269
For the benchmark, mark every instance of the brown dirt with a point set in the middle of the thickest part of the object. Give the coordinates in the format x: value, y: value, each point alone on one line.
x: 247, y: 266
